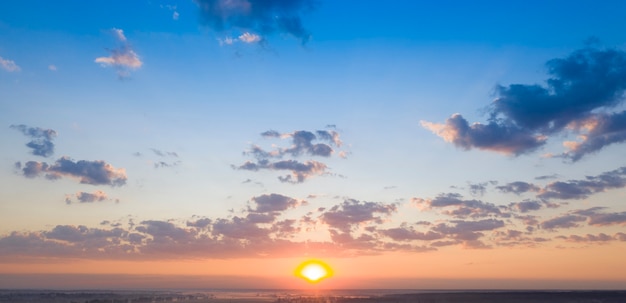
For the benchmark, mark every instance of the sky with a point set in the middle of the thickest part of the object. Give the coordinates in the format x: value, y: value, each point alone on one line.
x: 220, y: 143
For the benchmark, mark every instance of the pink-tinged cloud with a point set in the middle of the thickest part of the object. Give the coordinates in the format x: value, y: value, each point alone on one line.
x: 522, y: 116
x: 123, y: 58
x: 85, y: 197
x: 506, y: 139
x: 86, y: 172
x: 9, y: 65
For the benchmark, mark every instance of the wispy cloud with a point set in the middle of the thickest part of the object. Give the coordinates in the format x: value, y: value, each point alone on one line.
x: 123, y: 58
x: 583, y: 87
x: 256, y: 18
x: 9, y: 65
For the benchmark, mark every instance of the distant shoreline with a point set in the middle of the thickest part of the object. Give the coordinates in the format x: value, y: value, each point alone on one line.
x: 293, y: 296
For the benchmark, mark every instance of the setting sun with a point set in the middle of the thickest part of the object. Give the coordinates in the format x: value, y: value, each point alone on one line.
x: 314, y: 271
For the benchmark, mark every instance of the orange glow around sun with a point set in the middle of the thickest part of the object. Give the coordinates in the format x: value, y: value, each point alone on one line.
x: 314, y: 271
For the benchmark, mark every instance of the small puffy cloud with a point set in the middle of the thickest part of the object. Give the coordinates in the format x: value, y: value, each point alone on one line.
x: 526, y: 206
x: 454, y: 205
x: 303, y: 144
x: 582, y: 88
x: 518, y: 187
x: 52, y: 67
x: 300, y: 171
x: 256, y: 16
x: 41, y: 143
x: 122, y: 58
x: 273, y: 203
x: 249, y: 38
x: 87, y: 172
x: 468, y: 232
x: 406, y: 233
x: 9, y: 65
x: 353, y: 212
x: 85, y: 197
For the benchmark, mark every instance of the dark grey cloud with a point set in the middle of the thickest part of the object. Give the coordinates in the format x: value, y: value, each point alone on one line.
x: 526, y: 206
x: 273, y: 203
x: 458, y: 207
x: 498, y: 137
x: 303, y: 143
x: 589, y: 238
x: 408, y: 233
x: 41, y: 143
x: 603, y: 219
x: 345, y: 215
x: 582, y: 189
x: 300, y: 171
x: 258, y: 17
x: 564, y: 221
x: 87, y: 172
x: 478, y: 189
x: 522, y: 117
x: 85, y: 197
x: 518, y: 187
x: 547, y: 177
x: 467, y: 233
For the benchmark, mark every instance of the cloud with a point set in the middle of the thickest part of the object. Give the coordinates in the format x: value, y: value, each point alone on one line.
x: 300, y: 171
x: 596, y: 132
x: 273, y: 203
x: 468, y: 231
x: 582, y: 189
x: 502, y: 138
x: 459, y: 208
x: 408, y: 233
x: 589, y: 238
x: 122, y: 58
x: 604, y: 219
x: 87, y: 172
x: 41, y: 143
x: 303, y: 143
x: 526, y: 206
x: 565, y: 221
x: 52, y: 67
x: 353, y: 212
x: 85, y: 197
x: 258, y: 17
x: 9, y: 65
x: 249, y: 38
x: 161, y: 153
x: 518, y: 187
x: 582, y: 87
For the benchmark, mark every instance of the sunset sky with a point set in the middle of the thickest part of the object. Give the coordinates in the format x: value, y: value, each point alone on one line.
x: 220, y: 143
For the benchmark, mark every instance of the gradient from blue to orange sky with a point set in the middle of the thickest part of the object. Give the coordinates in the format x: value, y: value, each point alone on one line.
x: 407, y: 143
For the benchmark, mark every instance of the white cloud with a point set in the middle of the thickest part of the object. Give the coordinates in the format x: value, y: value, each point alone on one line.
x: 249, y: 38
x: 9, y: 65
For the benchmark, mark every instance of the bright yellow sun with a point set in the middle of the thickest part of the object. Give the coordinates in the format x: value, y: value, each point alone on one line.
x: 314, y: 271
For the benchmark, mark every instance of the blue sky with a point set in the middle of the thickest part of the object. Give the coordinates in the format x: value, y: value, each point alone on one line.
x: 153, y: 127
